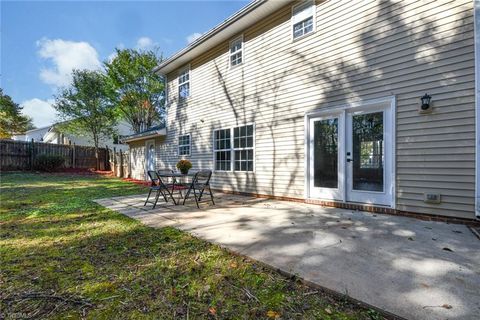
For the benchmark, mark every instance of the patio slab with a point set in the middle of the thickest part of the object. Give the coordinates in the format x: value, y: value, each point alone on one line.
x: 414, y: 269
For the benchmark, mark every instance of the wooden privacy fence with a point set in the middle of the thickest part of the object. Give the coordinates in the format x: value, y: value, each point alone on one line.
x: 120, y: 163
x: 22, y: 155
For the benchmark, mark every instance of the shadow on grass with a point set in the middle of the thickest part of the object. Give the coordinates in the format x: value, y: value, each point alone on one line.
x: 91, y: 262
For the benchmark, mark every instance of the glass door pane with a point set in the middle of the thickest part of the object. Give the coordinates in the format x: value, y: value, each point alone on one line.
x: 325, y: 153
x: 368, y: 152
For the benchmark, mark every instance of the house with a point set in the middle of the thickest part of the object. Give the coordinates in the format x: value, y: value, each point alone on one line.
x: 52, y: 134
x: 34, y: 134
x: 320, y: 101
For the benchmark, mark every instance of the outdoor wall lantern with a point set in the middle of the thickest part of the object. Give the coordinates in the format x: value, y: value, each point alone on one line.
x: 425, y: 107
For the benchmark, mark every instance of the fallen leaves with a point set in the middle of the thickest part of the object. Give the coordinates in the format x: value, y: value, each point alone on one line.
x: 273, y: 314
x: 212, y: 311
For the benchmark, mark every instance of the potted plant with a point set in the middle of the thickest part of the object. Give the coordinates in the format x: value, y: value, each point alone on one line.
x: 184, y: 165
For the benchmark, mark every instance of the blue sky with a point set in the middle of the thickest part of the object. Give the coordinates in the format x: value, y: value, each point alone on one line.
x: 41, y: 41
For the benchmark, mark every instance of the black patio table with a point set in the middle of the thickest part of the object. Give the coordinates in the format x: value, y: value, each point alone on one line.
x: 176, y: 175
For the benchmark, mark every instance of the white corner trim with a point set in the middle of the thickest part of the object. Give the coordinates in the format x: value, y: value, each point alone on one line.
x: 476, y: 18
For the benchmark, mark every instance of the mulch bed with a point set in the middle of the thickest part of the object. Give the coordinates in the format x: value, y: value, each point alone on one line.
x: 136, y: 181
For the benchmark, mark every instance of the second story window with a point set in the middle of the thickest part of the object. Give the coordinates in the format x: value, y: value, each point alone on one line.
x: 184, y: 84
x: 303, y: 19
x: 236, y: 52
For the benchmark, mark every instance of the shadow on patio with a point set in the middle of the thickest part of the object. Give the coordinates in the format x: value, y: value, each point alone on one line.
x: 414, y: 269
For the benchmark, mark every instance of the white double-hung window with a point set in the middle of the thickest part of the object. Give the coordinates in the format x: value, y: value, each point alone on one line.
x: 243, y: 148
x: 184, y: 143
x: 303, y: 18
x: 184, y: 84
x: 233, y: 148
x: 222, y: 149
x: 236, y: 52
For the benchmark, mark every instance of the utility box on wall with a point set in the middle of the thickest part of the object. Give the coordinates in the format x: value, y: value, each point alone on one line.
x: 432, y: 198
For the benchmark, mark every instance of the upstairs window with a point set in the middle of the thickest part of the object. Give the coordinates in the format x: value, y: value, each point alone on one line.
x: 303, y: 19
x: 236, y: 52
x: 184, y: 143
x: 184, y: 84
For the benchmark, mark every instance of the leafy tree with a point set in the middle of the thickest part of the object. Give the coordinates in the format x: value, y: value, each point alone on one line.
x: 12, y: 121
x: 85, y: 107
x: 135, y: 89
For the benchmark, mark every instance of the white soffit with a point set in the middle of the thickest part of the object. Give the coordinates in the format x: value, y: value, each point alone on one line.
x: 234, y: 25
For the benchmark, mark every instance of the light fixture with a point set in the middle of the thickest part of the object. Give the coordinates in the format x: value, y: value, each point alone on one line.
x: 425, y: 102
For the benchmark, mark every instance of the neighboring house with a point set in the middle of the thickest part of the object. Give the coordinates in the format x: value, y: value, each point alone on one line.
x: 51, y: 134
x: 35, y: 134
x: 320, y: 101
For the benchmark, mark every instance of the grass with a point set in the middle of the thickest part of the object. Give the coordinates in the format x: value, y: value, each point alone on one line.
x: 63, y: 256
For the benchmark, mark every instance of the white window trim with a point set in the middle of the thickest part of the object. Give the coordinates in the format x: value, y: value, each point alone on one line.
x: 184, y: 145
x: 314, y: 16
x: 241, y: 50
x: 180, y: 99
x: 232, y: 149
x: 215, y: 150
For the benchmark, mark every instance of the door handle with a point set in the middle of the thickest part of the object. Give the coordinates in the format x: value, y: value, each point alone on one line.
x: 349, y: 160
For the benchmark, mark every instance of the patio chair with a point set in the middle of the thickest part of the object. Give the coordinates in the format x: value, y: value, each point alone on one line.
x: 200, y: 184
x: 173, y: 184
x: 159, y: 187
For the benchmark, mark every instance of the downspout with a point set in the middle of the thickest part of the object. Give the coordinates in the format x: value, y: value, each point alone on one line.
x: 476, y: 19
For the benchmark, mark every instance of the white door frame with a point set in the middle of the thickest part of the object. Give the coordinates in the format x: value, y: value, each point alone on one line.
x: 337, y: 194
x: 389, y: 101
x: 147, y: 144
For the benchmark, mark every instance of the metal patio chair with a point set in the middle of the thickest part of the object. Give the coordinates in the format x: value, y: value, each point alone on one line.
x: 159, y: 187
x: 173, y: 183
x: 200, y: 184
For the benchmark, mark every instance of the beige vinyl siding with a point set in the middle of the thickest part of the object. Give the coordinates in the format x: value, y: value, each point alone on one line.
x: 137, y: 156
x: 361, y: 50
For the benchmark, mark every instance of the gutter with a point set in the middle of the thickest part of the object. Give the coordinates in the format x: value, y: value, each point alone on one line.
x: 225, y: 24
x: 146, y: 135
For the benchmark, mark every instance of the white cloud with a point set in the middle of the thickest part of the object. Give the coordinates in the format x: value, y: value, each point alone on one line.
x: 41, y: 111
x: 65, y: 56
x: 145, y: 43
x: 194, y: 36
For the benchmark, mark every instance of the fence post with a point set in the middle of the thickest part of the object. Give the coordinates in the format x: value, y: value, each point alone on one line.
x: 121, y: 164
x: 74, y: 156
x: 32, y: 154
x: 129, y: 163
x: 107, y: 158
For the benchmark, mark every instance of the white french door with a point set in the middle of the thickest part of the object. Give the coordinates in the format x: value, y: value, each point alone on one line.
x: 351, y: 154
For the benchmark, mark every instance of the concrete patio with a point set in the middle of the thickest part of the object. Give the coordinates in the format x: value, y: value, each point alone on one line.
x: 414, y: 269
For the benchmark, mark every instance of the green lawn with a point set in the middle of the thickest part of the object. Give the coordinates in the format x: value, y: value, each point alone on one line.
x: 64, y: 256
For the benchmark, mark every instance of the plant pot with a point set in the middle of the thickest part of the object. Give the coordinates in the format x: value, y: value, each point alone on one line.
x: 184, y: 171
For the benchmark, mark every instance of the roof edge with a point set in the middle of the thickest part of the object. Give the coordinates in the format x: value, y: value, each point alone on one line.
x: 145, y: 135
x: 209, y: 34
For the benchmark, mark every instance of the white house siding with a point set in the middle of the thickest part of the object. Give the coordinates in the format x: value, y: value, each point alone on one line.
x: 361, y: 50
x: 137, y: 156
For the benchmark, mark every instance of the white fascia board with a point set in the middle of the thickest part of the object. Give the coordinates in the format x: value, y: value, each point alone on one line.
x: 231, y: 27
